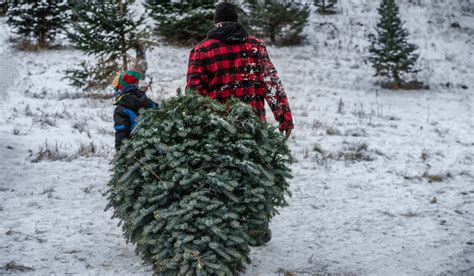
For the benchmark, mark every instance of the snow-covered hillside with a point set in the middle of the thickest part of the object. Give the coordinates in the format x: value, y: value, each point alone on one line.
x: 383, y: 180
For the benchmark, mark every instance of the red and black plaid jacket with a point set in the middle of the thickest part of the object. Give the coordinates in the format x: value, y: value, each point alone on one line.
x: 219, y: 70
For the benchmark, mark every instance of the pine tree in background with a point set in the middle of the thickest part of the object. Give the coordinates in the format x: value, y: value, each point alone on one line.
x: 107, y: 30
x: 325, y: 6
x: 182, y: 22
x: 282, y: 21
x: 38, y: 21
x: 3, y: 8
x: 194, y: 183
x: 391, y: 54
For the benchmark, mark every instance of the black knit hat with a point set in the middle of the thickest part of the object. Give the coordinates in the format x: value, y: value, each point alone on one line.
x: 226, y: 12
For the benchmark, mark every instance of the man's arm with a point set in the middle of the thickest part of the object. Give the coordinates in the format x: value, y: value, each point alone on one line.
x: 197, y: 78
x: 276, y: 96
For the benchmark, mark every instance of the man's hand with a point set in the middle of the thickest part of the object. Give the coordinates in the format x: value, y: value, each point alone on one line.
x: 287, y: 133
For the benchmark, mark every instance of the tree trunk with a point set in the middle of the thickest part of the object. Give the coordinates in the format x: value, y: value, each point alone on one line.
x: 122, y: 38
x: 397, y: 79
x: 141, y: 62
x: 42, y: 39
x: 273, y: 36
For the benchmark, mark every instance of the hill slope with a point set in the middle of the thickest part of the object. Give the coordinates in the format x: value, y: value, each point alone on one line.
x: 383, y: 179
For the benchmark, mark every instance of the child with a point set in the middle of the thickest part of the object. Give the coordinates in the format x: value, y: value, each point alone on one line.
x: 129, y: 99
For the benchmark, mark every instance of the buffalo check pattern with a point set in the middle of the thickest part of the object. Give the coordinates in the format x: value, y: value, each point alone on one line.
x: 220, y: 71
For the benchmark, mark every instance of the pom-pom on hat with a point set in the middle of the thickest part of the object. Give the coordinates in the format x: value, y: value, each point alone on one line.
x: 126, y: 78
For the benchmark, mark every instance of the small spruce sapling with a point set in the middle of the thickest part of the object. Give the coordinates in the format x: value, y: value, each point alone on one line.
x: 38, y: 21
x: 182, y: 22
x: 107, y: 31
x: 281, y: 21
x: 325, y: 6
x: 390, y: 53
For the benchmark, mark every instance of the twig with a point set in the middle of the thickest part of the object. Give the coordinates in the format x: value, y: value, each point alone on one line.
x: 148, y: 168
x: 30, y: 128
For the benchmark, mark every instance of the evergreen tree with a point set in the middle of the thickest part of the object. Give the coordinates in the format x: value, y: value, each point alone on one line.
x: 194, y: 183
x: 3, y: 8
x: 282, y: 21
x: 108, y: 30
x: 391, y: 54
x: 38, y: 20
x: 325, y: 6
x: 182, y: 22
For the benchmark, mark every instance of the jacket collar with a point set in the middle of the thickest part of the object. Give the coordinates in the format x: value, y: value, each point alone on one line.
x: 229, y: 32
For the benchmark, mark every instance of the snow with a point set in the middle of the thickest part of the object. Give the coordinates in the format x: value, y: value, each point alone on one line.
x: 366, y: 196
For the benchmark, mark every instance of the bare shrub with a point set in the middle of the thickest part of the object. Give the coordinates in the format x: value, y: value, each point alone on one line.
x: 46, y: 152
x: 435, y: 177
x: 105, y: 115
x: 350, y: 152
x: 410, y: 214
x: 49, y: 190
x: 27, y: 46
x: 37, y: 95
x: 12, y: 266
x: 356, y: 132
x: 80, y: 126
x: 358, y: 152
x: 100, y: 96
x: 105, y: 131
x: 90, y: 150
x: 16, y: 130
x: 87, y: 150
x: 340, y: 106
x: 45, y: 121
x: 317, y: 148
x: 316, y: 124
x: 305, y: 153
x: 355, y: 152
x: 359, y: 111
x: 424, y: 155
x: 69, y: 95
x: 88, y: 189
x: 411, y: 85
x: 333, y: 131
x: 61, y: 115
x: 28, y: 111
x: 320, y: 155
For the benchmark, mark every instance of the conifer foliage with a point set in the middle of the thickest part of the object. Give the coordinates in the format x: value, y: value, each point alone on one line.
x: 325, y: 6
x: 3, y: 8
x: 182, y: 22
x: 38, y: 20
x: 107, y: 30
x: 391, y: 54
x: 195, y: 180
x: 282, y: 21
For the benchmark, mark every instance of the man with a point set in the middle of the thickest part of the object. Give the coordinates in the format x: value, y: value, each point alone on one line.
x: 229, y: 62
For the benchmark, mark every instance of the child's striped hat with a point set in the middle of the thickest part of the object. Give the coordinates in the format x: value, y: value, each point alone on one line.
x: 125, y: 78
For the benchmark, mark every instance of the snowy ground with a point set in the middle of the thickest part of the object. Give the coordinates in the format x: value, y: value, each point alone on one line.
x: 384, y: 180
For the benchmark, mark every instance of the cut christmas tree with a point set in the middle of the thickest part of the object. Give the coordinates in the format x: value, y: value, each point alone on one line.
x: 197, y: 183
